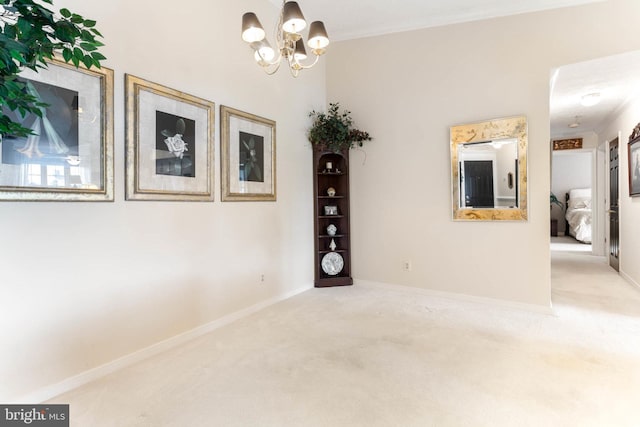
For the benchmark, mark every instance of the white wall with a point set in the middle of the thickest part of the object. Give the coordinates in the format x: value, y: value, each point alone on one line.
x: 84, y: 284
x: 407, y: 89
x: 629, y: 207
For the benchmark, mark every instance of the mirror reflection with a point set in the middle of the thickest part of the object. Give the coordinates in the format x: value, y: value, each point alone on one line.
x: 489, y: 170
x: 486, y: 174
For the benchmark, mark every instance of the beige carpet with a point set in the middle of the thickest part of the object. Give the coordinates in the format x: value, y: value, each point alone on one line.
x: 361, y: 356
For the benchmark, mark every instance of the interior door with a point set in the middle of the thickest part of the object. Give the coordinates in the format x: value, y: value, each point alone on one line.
x: 614, y: 222
x: 478, y: 183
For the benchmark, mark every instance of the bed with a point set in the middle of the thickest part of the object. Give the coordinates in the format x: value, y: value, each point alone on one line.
x: 578, y: 214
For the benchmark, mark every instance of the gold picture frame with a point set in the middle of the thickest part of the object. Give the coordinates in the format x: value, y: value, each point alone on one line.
x: 495, y: 133
x: 567, y: 144
x: 169, y: 143
x: 248, y: 156
x: 70, y: 155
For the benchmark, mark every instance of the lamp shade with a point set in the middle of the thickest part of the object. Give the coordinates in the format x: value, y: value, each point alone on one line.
x: 252, y: 30
x: 300, y: 53
x: 292, y: 18
x: 318, y: 38
x: 264, y: 53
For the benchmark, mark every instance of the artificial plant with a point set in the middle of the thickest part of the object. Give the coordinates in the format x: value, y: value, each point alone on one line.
x: 334, y: 129
x: 553, y: 200
x: 30, y: 34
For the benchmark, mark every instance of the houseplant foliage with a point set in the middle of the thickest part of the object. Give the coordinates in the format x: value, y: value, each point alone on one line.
x: 553, y: 200
x: 334, y: 130
x: 30, y: 33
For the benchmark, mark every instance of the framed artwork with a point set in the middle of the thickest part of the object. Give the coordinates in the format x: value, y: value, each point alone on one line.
x: 169, y: 153
x: 248, y: 156
x: 567, y: 144
x: 634, y: 162
x: 69, y: 156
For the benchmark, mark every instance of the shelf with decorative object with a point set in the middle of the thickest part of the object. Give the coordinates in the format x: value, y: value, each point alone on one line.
x: 331, y: 218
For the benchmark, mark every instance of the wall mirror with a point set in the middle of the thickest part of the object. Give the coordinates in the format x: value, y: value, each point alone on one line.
x: 489, y: 170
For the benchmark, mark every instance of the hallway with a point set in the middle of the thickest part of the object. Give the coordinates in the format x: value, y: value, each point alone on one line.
x: 581, y: 280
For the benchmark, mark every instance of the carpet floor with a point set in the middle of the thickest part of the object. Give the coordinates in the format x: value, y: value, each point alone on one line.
x: 364, y: 356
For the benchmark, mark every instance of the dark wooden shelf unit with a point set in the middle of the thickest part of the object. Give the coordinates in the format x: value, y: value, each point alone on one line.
x: 322, y: 180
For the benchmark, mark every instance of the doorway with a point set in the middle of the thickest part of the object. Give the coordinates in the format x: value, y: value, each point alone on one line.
x: 574, y: 172
x: 614, y: 221
x: 478, y: 183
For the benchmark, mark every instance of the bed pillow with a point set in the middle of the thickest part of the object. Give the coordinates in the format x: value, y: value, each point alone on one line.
x: 580, y: 198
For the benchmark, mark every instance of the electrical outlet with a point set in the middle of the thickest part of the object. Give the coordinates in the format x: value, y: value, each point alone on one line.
x: 406, y: 265
x: 262, y: 278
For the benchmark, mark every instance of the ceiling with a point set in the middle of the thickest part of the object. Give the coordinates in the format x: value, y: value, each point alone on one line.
x: 351, y: 19
x: 615, y: 78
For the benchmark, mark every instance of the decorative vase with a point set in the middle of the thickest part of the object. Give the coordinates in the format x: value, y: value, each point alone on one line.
x: 331, y: 191
x: 331, y: 230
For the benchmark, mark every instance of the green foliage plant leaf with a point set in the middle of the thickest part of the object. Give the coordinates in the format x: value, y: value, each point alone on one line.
x: 334, y: 130
x: 30, y: 34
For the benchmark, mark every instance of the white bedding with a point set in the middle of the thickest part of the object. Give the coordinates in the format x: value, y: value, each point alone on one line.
x: 579, y: 214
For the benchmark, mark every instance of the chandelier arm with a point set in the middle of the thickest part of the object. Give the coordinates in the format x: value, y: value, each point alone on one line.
x: 267, y: 62
x: 271, y: 72
x: 294, y: 71
x: 306, y: 67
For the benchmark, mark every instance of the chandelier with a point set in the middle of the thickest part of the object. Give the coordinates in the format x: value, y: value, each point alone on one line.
x: 289, y: 42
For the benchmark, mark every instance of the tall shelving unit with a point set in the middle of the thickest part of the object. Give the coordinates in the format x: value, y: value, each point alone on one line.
x: 331, y: 171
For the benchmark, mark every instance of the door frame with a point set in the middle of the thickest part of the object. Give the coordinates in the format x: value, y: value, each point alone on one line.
x: 608, y: 197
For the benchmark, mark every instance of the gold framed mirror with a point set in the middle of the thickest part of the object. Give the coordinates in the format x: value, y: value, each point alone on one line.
x: 485, y: 156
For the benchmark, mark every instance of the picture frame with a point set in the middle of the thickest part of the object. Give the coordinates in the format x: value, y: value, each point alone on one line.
x: 331, y: 210
x: 70, y: 155
x: 633, y: 151
x: 248, y: 156
x: 567, y: 144
x: 169, y: 143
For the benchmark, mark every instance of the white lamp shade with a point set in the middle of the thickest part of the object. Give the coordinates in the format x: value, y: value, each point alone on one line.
x: 252, y: 30
x: 264, y: 53
x: 292, y: 18
x: 318, y: 38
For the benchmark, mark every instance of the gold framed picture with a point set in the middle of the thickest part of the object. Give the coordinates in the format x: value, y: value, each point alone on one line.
x: 248, y: 156
x: 69, y: 155
x: 169, y: 148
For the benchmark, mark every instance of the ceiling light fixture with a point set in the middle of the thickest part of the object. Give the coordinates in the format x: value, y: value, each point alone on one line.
x: 289, y: 42
x: 590, y: 99
x: 575, y: 123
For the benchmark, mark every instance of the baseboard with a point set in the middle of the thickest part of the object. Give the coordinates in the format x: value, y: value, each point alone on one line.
x: 51, y: 391
x: 628, y: 278
x: 513, y: 305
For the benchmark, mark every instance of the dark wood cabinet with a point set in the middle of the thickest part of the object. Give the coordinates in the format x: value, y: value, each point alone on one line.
x: 331, y: 207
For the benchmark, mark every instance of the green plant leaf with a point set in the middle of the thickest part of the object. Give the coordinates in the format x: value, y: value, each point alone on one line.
x: 87, y: 60
x: 67, y: 54
x: 77, y: 19
x: 30, y: 34
x: 88, y: 47
x: 98, y: 56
